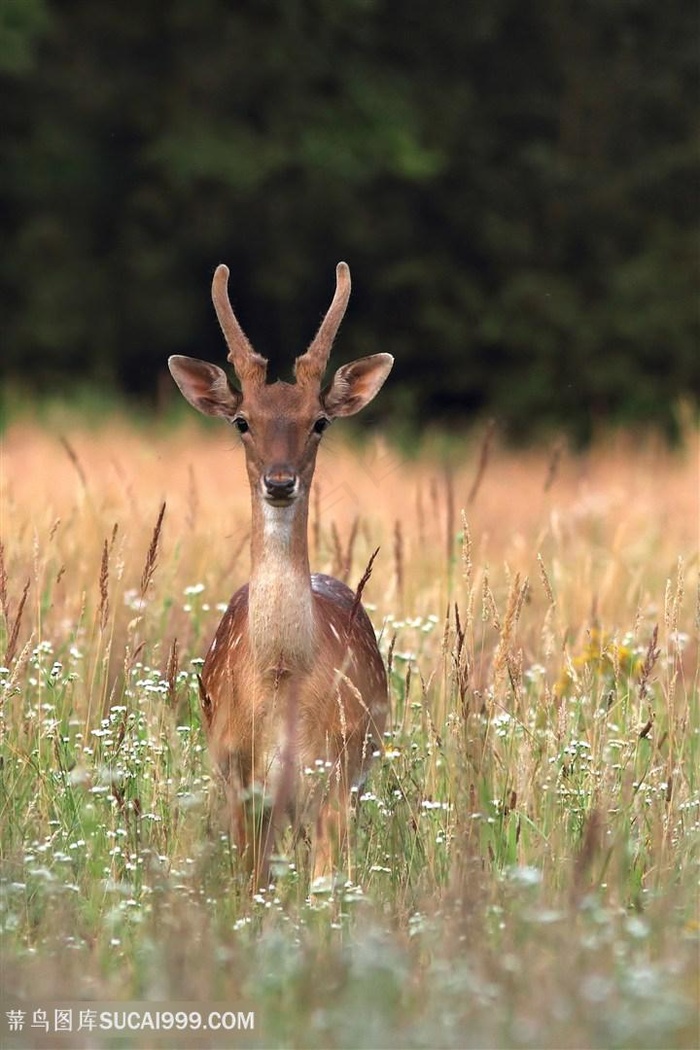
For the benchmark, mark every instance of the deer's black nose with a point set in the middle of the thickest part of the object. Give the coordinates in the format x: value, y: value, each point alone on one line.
x: 280, y: 483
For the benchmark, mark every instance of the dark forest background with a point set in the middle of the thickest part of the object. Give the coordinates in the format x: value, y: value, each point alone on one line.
x: 514, y: 185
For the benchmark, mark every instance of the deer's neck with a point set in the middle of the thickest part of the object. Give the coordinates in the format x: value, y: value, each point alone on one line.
x: 280, y: 602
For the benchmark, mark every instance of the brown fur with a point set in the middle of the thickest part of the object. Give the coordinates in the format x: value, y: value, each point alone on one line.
x: 293, y: 688
x: 341, y: 709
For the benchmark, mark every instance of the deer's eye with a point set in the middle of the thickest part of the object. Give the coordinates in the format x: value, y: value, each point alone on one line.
x: 241, y: 425
x: 321, y: 424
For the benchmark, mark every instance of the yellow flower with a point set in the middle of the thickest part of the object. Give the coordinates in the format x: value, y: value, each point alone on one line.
x: 603, y: 656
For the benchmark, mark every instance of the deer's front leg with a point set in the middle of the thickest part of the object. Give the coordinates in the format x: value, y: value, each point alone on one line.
x: 246, y: 819
x: 331, y: 849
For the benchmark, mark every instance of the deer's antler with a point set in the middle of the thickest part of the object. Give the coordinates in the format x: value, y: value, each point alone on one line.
x: 311, y: 365
x: 249, y: 366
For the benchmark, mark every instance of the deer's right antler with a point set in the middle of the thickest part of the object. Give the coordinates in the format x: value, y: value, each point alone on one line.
x: 249, y: 366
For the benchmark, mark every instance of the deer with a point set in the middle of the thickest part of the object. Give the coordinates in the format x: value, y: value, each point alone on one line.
x: 293, y: 680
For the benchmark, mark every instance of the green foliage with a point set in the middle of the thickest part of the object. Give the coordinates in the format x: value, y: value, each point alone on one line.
x: 21, y: 25
x: 513, y: 186
x: 112, y: 858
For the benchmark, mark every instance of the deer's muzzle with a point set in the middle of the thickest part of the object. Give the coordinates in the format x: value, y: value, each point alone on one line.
x: 280, y: 485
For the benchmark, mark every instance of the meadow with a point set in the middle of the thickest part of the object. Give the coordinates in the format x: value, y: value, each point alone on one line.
x: 525, y: 856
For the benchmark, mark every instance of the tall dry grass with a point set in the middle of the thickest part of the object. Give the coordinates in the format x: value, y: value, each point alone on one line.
x: 525, y: 860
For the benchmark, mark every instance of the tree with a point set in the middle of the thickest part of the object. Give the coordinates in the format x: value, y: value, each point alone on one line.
x: 513, y: 186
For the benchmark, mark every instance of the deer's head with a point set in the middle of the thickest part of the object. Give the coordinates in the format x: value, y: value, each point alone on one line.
x: 280, y: 424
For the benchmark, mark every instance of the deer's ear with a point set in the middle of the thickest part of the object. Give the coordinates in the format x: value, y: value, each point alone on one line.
x: 205, y: 386
x: 355, y: 385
